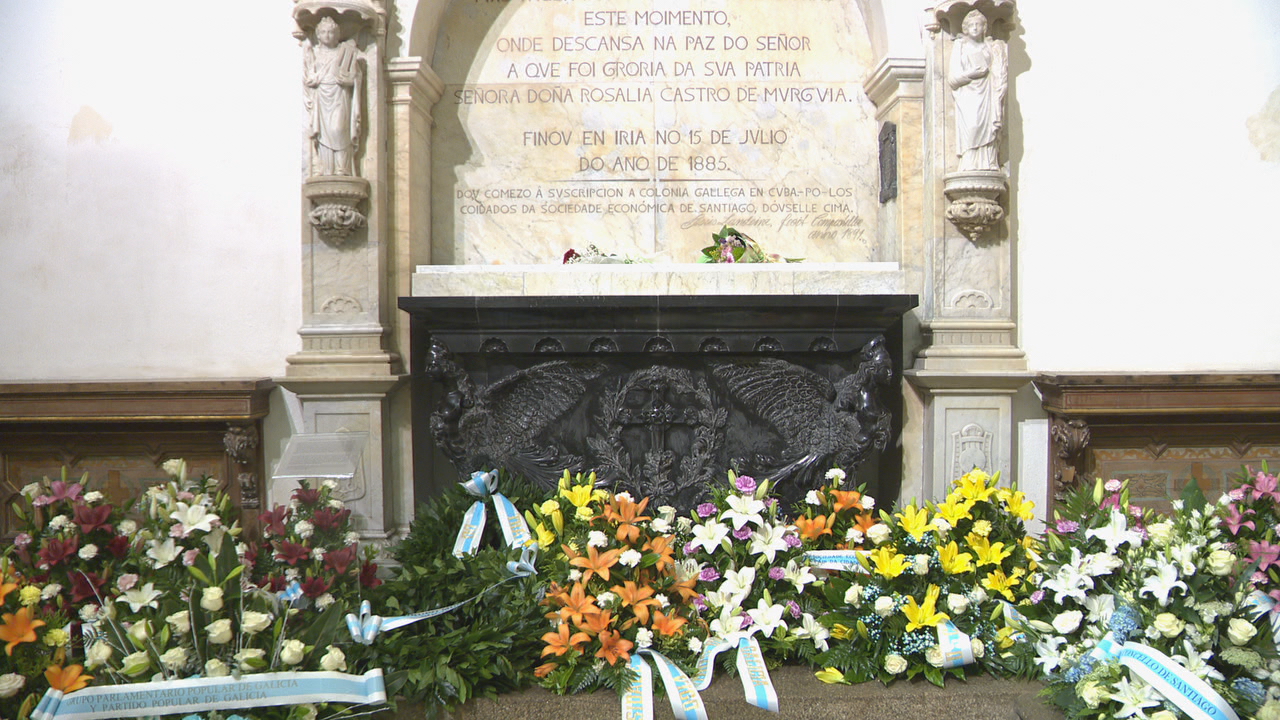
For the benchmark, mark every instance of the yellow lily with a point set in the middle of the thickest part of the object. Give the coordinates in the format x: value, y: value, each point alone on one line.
x: 830, y: 675
x: 546, y: 538
x: 1020, y: 506
x: 953, y: 561
x: 973, y: 485
x: 579, y: 495
x: 988, y: 553
x: 915, y: 521
x: 887, y: 561
x: 955, y: 508
x: 997, y: 581
x: 926, y: 613
x: 841, y: 632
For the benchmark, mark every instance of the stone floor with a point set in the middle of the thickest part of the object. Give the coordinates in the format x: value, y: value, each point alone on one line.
x: 801, y: 696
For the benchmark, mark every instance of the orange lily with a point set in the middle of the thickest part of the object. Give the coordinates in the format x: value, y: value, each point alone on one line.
x: 596, y: 624
x: 637, y: 598
x: 614, y: 647
x: 560, y: 641
x: 596, y: 562
x: 5, y: 589
x: 812, y: 529
x: 685, y: 588
x: 661, y: 546
x: 577, y: 603
x: 627, y: 514
x: 865, y: 521
x: 18, y: 628
x: 668, y: 625
x: 544, y: 669
x: 847, y: 499
x: 68, y: 679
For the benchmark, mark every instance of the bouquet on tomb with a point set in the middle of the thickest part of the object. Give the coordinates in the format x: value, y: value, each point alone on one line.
x: 731, y: 246
x: 37, y: 634
x: 1250, y: 515
x: 835, y: 518
x: 1179, y: 585
x: 310, y: 541
x: 615, y: 586
x: 934, y: 595
x: 754, y: 579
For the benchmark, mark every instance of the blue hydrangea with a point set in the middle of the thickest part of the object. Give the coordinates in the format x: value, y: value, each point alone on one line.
x: 1125, y: 621
x: 1250, y: 689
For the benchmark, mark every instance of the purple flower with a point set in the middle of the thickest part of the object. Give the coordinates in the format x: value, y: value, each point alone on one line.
x: 792, y: 540
x: 1066, y: 527
x: 1037, y: 596
x: 1113, y: 485
x: 743, y: 532
x: 709, y: 574
x: 22, y: 540
x: 746, y: 622
x: 699, y: 603
x: 794, y: 608
x: 690, y: 548
x: 776, y: 573
x: 706, y: 510
x: 745, y: 483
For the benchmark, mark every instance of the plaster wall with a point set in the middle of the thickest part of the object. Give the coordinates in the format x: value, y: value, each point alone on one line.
x: 149, y: 180
x: 1145, y: 215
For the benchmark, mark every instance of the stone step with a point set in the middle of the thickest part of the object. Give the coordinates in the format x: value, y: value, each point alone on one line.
x: 801, y: 696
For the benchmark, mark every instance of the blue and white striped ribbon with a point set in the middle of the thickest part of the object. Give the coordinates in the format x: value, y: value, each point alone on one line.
x: 514, y: 528
x: 1262, y: 603
x: 365, y: 627
x: 637, y: 702
x: 755, y: 676
x: 838, y: 560
x: 203, y: 694
x: 706, y: 662
x: 956, y: 646
x: 1192, y: 695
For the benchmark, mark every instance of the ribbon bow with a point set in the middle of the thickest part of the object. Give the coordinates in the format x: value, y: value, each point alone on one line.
x: 484, y: 486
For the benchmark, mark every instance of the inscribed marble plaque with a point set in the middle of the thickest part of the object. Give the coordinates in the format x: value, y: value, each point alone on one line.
x: 643, y: 126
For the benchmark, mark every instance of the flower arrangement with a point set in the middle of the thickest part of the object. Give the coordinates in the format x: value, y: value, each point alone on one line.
x: 1115, y: 573
x: 931, y: 597
x: 832, y: 518
x: 742, y: 546
x: 36, y: 636
x: 1251, y: 517
x: 310, y: 541
x: 616, y: 586
x: 732, y: 246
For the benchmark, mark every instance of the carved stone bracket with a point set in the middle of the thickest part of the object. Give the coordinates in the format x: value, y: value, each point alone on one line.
x: 335, y: 203
x: 975, y: 201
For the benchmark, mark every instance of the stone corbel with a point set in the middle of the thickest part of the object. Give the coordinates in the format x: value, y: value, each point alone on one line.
x: 1068, y: 438
x: 336, y: 206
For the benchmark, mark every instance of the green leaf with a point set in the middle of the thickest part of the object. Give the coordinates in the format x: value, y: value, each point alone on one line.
x: 199, y: 574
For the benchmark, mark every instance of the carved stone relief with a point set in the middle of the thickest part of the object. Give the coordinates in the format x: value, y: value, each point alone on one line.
x: 1070, y: 437
x: 972, y: 449
x: 341, y: 305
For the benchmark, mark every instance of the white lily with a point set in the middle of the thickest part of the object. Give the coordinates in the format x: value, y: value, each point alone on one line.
x: 162, y: 553
x: 728, y: 626
x: 767, y: 618
x: 738, y: 582
x: 742, y: 510
x: 814, y: 630
x: 1100, y: 608
x: 1116, y: 533
x: 1100, y: 564
x: 798, y: 575
x: 1197, y: 662
x: 709, y: 535
x: 1162, y: 583
x: 1070, y: 580
x: 193, y: 517
x: 1135, y: 697
x: 1047, y: 655
x: 769, y: 540
x: 139, y: 598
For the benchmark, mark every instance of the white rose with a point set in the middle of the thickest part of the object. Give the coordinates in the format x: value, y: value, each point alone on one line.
x: 661, y: 525
x: 853, y: 596
x: 957, y: 604
x: 1093, y: 694
x: 895, y: 664
x: 921, y: 565
x: 246, y: 658
x: 292, y: 651
x: 695, y: 645
x: 853, y: 536
x: 216, y: 668
x: 174, y: 658
x: 1068, y: 621
x: 1221, y: 562
x: 10, y: 684
x: 97, y: 654
x: 135, y: 663
x: 941, y: 525
x: 1240, y: 631
x: 180, y: 622
x: 1163, y: 715
x: 1168, y: 624
x: 978, y: 648
x: 219, y: 631
x: 254, y: 622
x: 884, y: 606
x: 333, y: 660
x: 88, y: 552
x: 868, y: 502
x: 933, y: 655
x: 211, y: 599
x: 879, y: 533
x: 140, y: 632
x: 977, y: 595
x: 1160, y: 532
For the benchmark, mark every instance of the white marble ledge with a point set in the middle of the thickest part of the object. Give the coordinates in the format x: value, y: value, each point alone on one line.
x: 870, y: 278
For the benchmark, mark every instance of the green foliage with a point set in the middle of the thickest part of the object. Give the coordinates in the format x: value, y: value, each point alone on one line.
x: 479, y: 650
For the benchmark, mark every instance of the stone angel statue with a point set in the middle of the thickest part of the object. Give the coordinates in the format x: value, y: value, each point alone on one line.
x: 979, y: 79
x: 333, y: 73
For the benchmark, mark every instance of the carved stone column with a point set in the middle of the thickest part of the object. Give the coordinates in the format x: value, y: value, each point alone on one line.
x: 348, y: 367
x: 970, y: 365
